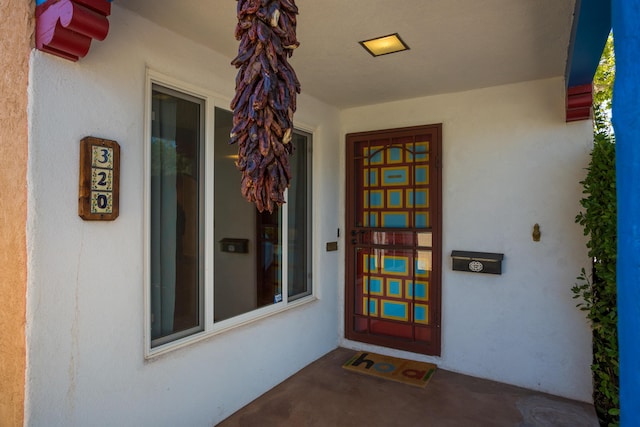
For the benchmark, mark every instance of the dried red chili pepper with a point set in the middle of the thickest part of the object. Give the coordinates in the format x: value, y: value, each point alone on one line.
x: 265, y: 99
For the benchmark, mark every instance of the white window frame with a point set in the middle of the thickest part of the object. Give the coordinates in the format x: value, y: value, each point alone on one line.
x: 211, y: 101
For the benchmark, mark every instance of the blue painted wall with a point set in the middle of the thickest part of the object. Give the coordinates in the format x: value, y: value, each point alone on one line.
x: 626, y: 122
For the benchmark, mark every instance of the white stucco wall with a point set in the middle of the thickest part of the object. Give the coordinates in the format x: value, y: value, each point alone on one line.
x: 86, y: 362
x: 509, y: 161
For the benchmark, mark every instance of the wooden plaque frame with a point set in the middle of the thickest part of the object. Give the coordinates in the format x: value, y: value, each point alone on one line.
x: 99, y: 192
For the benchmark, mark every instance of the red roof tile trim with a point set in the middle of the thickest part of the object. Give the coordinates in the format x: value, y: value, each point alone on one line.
x: 66, y: 27
x: 579, y: 102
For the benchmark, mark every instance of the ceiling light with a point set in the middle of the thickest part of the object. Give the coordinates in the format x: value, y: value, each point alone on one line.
x: 384, y: 45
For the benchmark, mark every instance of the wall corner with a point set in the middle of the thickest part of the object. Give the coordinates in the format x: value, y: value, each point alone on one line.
x: 16, y: 41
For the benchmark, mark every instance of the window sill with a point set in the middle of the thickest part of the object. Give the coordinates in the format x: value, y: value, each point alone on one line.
x: 227, y: 325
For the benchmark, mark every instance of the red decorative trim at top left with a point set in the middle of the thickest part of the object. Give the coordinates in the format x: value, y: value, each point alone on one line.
x: 66, y: 27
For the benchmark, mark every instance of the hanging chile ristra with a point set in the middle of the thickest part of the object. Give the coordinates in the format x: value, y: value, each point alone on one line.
x: 265, y: 99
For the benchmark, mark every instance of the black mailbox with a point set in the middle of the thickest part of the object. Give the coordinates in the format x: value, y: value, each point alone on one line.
x: 239, y: 246
x: 477, y: 262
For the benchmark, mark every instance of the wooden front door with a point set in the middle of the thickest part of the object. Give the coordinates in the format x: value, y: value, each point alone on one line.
x: 394, y: 238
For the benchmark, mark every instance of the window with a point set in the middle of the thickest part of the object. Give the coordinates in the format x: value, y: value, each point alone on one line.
x: 177, y: 148
x: 244, y: 282
x: 299, y: 218
x: 198, y: 283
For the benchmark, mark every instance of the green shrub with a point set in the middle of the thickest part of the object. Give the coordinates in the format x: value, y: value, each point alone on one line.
x: 597, y: 289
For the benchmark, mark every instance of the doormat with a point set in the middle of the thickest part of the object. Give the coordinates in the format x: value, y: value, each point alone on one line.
x: 391, y: 368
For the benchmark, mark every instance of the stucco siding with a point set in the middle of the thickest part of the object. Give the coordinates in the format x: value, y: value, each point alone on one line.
x: 509, y: 161
x: 86, y: 299
x: 15, y: 43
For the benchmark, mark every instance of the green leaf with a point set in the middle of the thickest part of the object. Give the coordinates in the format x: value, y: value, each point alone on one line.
x: 596, y: 292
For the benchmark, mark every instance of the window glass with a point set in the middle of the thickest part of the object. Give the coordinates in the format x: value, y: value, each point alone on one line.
x: 299, y: 218
x: 237, y: 275
x: 258, y: 259
x: 245, y: 281
x: 269, y: 260
x: 176, y: 214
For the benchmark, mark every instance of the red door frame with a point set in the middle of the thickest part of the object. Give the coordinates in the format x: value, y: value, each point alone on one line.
x: 435, y: 175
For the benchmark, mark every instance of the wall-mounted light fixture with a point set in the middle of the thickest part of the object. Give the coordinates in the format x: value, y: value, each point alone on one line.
x: 384, y: 45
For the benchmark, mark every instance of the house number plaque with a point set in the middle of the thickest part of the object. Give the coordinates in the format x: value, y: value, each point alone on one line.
x: 99, y: 179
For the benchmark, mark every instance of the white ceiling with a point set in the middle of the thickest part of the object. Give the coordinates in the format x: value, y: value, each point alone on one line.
x: 455, y: 45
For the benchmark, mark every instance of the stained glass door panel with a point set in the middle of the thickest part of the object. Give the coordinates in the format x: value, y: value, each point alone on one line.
x: 393, y: 274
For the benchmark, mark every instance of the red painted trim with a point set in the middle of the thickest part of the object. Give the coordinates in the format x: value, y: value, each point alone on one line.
x: 579, y: 102
x: 66, y: 27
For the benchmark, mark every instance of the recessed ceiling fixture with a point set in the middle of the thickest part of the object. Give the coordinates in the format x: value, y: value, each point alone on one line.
x: 384, y: 45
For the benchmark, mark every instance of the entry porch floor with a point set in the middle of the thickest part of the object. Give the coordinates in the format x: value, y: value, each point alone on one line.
x: 324, y: 394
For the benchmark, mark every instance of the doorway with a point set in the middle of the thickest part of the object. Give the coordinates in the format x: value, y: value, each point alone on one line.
x: 394, y: 253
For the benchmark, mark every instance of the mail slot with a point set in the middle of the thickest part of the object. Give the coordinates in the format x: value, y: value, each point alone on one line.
x: 477, y: 262
x: 239, y: 246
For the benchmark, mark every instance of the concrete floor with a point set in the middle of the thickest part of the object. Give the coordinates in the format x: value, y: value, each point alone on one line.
x: 324, y: 394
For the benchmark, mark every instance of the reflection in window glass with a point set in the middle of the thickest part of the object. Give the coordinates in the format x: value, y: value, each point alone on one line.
x: 247, y: 281
x: 299, y: 221
x: 235, y: 273
x: 269, y: 260
x: 176, y: 214
x: 272, y: 263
